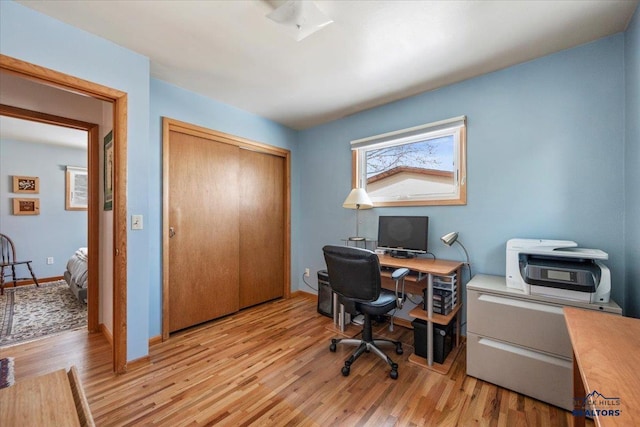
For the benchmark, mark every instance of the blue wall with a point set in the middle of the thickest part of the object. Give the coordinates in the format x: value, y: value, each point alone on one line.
x: 632, y: 160
x: 546, y: 154
x: 545, y: 160
x: 176, y: 103
x: 36, y: 38
x: 56, y: 232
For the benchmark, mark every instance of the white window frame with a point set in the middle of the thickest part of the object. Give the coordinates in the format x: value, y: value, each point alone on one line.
x: 455, y: 126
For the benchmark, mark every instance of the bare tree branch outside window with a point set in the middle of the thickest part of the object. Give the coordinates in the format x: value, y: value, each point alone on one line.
x: 431, y: 154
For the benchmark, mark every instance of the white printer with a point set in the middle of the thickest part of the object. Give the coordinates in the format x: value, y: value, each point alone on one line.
x: 558, y: 269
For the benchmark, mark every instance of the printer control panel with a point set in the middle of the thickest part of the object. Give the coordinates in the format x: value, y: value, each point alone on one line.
x: 563, y: 273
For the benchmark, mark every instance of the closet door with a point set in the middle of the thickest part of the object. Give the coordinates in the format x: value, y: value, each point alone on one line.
x: 262, y: 227
x: 204, y: 230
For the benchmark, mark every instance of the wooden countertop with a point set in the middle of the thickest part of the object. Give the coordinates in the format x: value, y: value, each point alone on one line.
x: 423, y: 265
x: 39, y: 401
x: 607, y: 352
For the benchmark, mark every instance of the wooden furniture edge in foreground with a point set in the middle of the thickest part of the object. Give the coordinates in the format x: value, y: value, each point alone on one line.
x: 605, y: 362
x: 79, y: 398
x: 56, y: 398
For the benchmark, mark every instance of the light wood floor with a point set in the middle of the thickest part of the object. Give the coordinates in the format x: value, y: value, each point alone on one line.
x: 271, y: 365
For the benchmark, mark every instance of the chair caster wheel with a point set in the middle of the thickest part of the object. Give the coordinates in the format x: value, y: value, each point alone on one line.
x: 332, y: 348
x: 393, y: 374
x: 346, y: 371
x: 399, y: 348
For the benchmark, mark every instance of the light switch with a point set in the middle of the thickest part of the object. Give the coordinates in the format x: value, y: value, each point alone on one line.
x: 136, y: 222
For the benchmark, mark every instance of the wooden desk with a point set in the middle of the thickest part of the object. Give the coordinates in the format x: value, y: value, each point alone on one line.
x: 426, y: 269
x: 606, y: 357
x: 39, y: 401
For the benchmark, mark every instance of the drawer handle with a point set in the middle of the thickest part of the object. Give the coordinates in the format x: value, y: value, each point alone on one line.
x: 520, y: 351
x: 521, y: 304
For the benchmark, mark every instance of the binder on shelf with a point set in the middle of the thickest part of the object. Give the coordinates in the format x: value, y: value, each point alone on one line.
x: 442, y: 310
x: 442, y: 293
x: 442, y: 303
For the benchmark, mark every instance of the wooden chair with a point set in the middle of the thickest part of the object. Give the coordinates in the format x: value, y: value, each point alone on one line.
x: 9, y: 260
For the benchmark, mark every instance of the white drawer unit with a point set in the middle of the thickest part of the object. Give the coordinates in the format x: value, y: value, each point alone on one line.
x: 520, y: 341
x: 530, y: 324
x: 539, y: 375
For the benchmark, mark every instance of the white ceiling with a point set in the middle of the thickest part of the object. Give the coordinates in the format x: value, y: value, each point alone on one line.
x: 42, y: 133
x: 373, y: 53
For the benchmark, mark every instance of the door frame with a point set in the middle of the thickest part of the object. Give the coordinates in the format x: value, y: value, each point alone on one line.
x: 119, y: 100
x: 171, y: 125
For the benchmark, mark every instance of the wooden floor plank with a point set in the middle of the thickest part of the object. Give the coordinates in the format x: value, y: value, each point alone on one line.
x: 271, y: 365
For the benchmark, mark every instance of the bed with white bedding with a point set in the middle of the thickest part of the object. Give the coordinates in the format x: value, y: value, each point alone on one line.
x: 76, y: 274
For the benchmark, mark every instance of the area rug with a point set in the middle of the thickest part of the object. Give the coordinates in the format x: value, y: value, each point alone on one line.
x: 6, y: 372
x: 30, y: 312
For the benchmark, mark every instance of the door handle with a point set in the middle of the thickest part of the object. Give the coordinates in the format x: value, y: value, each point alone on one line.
x: 172, y: 232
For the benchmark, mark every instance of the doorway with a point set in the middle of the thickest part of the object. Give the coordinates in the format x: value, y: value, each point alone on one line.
x: 93, y: 232
x: 119, y: 100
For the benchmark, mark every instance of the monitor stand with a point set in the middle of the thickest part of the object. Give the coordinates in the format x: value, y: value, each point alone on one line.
x: 402, y: 254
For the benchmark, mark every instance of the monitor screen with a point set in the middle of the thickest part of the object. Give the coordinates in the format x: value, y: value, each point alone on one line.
x: 403, y: 235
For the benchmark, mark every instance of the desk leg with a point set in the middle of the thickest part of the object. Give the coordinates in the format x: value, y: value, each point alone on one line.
x: 340, y: 318
x: 429, y: 322
x: 578, y: 391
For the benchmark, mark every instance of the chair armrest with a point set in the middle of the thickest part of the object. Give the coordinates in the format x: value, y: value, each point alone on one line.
x: 399, y: 275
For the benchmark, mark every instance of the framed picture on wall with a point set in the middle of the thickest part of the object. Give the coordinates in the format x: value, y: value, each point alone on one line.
x: 26, y: 184
x: 26, y: 206
x: 77, y: 189
x: 108, y: 171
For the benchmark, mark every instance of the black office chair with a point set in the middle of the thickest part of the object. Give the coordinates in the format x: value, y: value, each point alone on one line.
x: 354, y: 274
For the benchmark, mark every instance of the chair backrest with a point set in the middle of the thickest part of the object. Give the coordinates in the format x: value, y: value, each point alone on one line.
x: 354, y: 273
x: 7, y: 249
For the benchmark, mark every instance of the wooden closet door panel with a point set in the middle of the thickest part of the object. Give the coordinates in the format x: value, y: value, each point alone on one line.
x: 203, y: 212
x: 262, y: 217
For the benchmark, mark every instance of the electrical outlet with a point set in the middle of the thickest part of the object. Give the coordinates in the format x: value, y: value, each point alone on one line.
x: 306, y: 272
x: 50, y: 260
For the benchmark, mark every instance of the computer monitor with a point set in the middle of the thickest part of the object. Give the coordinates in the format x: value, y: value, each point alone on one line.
x: 403, y: 236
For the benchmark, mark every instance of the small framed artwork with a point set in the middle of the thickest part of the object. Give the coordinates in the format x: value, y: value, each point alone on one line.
x: 26, y: 184
x: 108, y: 171
x: 26, y: 206
x: 77, y: 189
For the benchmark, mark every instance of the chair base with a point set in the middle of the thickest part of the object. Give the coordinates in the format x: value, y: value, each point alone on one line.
x: 367, y: 346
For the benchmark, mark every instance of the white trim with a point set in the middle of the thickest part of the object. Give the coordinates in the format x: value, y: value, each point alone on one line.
x: 423, y: 133
x: 406, y: 135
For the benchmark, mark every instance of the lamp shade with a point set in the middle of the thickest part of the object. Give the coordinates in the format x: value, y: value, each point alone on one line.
x: 449, y: 238
x: 358, y: 199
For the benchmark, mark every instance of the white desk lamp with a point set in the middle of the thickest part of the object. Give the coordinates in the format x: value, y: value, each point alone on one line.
x: 451, y: 238
x: 357, y: 199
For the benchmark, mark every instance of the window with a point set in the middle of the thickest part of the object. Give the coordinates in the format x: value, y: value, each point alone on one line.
x: 423, y: 165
